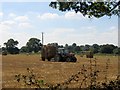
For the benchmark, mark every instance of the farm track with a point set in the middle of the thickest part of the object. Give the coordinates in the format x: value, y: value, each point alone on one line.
x: 51, y: 72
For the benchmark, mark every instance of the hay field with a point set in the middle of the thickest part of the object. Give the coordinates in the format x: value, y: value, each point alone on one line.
x: 52, y: 72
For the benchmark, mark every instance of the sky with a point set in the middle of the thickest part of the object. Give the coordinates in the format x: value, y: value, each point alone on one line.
x: 24, y: 20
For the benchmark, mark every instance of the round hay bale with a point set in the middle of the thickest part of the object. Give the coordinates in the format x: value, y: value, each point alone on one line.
x: 89, y: 54
x: 48, y: 52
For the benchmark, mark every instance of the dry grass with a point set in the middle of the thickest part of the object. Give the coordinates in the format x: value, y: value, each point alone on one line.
x: 52, y: 72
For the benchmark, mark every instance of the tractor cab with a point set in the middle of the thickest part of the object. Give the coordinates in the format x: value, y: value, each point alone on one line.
x: 62, y: 51
x: 65, y: 52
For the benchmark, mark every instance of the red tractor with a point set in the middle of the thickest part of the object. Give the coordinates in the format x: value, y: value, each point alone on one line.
x: 53, y: 53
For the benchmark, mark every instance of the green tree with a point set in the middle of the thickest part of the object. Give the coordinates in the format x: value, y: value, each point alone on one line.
x: 107, y: 49
x: 24, y: 49
x: 95, y: 48
x: 70, y: 48
x: 116, y: 51
x: 33, y: 45
x: 11, y: 46
x: 66, y: 46
x: 82, y: 47
x: 86, y: 47
x: 87, y: 8
x: 73, y: 47
x: 77, y: 49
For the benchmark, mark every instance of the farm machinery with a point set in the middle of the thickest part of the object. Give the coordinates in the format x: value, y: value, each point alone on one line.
x: 53, y: 53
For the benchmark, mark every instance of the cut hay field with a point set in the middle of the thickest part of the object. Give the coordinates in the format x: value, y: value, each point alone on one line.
x: 52, y: 72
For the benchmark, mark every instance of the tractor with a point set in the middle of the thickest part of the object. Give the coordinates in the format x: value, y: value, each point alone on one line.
x: 53, y: 53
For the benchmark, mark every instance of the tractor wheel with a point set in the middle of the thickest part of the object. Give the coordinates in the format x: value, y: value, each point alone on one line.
x: 74, y: 59
x: 68, y: 59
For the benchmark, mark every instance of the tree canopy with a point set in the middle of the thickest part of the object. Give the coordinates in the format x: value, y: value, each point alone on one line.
x: 11, y: 46
x: 33, y: 45
x: 90, y: 8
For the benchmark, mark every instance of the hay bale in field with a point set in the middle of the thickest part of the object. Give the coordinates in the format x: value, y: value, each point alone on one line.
x: 89, y: 54
x: 51, y: 51
x: 48, y: 52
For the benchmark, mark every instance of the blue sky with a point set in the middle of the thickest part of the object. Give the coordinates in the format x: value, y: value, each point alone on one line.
x: 24, y: 20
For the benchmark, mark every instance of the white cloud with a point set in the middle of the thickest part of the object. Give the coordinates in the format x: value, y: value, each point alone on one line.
x: 82, y: 35
x: 58, y: 35
x: 21, y: 18
x: 25, y: 25
x: 88, y: 29
x: 1, y: 14
x: 39, y: 16
x: 5, y: 35
x: 8, y: 22
x: 62, y: 30
x: 47, y: 16
x: 68, y: 15
x: 88, y: 36
x: 4, y: 27
x: 110, y: 36
x: 73, y: 15
x: 113, y: 28
x: 19, y: 22
x: 12, y: 15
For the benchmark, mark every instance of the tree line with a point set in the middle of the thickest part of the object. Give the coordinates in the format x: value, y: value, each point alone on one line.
x: 34, y: 46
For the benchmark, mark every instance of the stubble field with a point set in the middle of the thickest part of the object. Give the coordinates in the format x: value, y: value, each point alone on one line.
x: 53, y: 72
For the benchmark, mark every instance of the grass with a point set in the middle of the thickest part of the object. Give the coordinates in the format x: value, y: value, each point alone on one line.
x: 53, y: 72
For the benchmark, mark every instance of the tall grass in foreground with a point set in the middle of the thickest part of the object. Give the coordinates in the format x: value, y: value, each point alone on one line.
x: 88, y: 81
